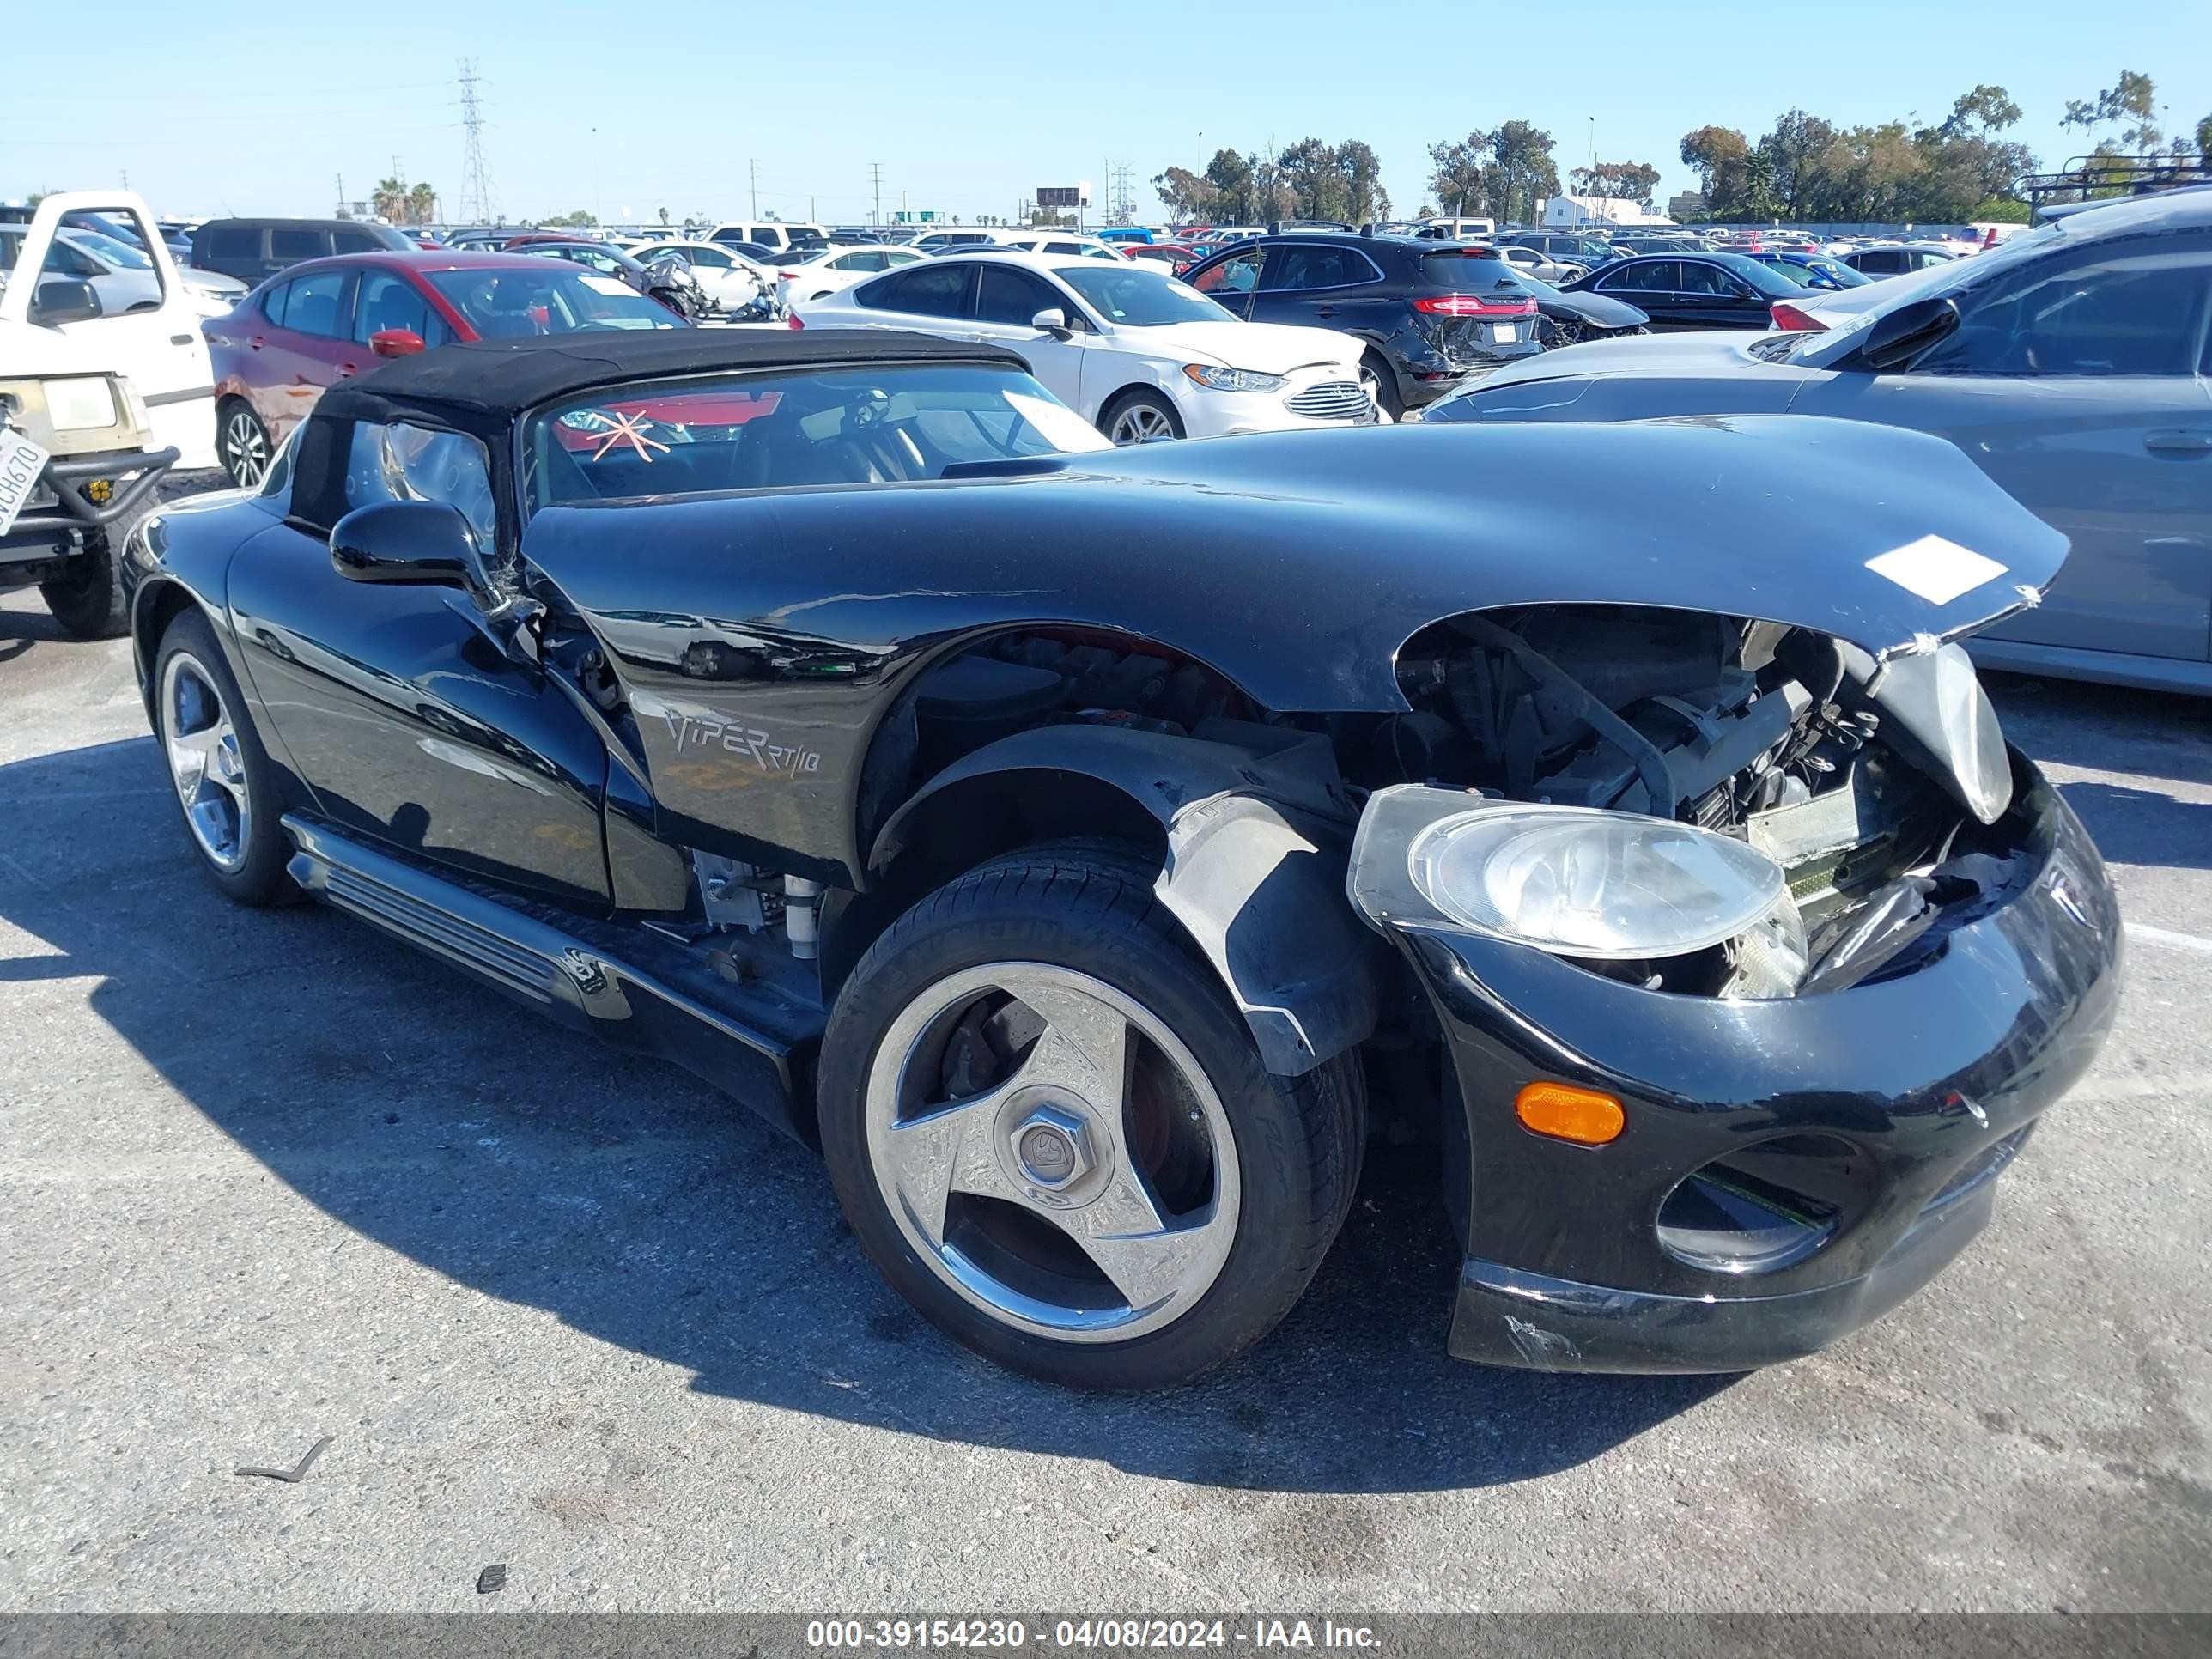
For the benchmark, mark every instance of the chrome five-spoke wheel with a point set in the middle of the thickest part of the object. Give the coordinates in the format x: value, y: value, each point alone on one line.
x: 1052, y: 1152
x: 245, y: 447
x: 200, y: 739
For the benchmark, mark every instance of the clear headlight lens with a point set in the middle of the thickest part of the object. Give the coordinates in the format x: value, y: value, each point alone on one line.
x: 80, y: 403
x: 1611, y: 886
x: 1233, y: 379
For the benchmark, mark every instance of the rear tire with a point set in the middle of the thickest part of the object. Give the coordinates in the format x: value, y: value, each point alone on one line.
x: 242, y: 443
x: 999, y: 1266
x: 1140, y: 417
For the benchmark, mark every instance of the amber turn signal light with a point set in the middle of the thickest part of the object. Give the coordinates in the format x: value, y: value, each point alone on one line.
x: 1566, y: 1113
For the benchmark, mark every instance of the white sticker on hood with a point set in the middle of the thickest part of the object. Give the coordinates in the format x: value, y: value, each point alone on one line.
x: 1936, y: 569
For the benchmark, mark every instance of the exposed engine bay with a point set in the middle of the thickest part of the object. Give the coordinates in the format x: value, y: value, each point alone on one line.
x: 1880, y: 787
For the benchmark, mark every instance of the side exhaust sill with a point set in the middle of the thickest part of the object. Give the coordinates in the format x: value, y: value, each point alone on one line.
x: 751, y: 1040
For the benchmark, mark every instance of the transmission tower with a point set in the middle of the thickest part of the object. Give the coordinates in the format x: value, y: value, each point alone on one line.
x: 1125, y: 210
x: 478, y: 205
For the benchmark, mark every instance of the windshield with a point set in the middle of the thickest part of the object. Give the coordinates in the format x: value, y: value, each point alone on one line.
x: 1129, y: 296
x: 1953, y: 276
x: 511, y: 304
x: 884, y: 423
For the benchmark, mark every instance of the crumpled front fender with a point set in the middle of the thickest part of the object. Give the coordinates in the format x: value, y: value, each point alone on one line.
x: 1257, y: 852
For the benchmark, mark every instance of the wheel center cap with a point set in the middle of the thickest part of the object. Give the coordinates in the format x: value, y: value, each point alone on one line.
x: 1047, y: 1154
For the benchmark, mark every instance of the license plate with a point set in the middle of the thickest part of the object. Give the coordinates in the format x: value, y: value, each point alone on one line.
x: 21, y: 461
x: 1504, y: 333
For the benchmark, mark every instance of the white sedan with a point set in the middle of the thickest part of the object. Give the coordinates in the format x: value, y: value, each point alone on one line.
x: 839, y: 268
x: 1137, y: 353
x: 1039, y: 241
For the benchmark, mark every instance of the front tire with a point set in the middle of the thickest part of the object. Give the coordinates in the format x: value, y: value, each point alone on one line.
x: 86, y: 600
x: 1140, y: 417
x: 1380, y: 382
x: 1051, y: 1131
x: 225, y: 784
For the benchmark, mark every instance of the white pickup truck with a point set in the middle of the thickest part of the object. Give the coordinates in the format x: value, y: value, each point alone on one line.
x: 94, y: 408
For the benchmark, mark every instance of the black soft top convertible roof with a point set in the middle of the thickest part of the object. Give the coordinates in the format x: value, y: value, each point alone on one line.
x: 481, y: 387
x: 490, y: 381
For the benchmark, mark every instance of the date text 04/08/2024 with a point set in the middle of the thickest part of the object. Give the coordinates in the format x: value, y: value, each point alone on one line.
x: 1087, y: 1634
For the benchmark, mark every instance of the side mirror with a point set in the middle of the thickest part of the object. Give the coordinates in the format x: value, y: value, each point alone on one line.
x: 423, y: 543
x: 1901, y: 336
x: 64, y: 300
x: 395, y: 342
x: 1052, y: 320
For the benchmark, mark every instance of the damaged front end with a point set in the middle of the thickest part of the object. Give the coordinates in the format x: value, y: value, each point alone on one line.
x: 1801, y: 946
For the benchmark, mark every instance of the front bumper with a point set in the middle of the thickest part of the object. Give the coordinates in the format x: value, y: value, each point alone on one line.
x: 1912, y: 1093
x: 44, y: 527
x: 1209, y: 414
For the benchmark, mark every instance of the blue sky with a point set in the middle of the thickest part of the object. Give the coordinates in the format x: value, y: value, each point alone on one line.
x: 616, y: 108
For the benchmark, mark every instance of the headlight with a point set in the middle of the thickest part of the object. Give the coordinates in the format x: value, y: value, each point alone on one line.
x: 81, y: 404
x: 1233, y: 379
x: 1610, y: 886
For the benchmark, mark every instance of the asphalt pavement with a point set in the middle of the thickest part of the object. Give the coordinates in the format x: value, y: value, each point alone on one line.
x: 267, y: 1177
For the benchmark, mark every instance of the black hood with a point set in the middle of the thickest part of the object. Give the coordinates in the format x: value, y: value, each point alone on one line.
x: 1298, y: 565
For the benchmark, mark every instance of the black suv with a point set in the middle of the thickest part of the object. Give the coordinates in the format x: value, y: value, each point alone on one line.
x: 250, y: 249
x: 1432, y: 313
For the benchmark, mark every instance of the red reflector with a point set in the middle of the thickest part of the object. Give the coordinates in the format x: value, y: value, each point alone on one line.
x: 794, y: 323
x: 1787, y: 316
x: 1468, y: 305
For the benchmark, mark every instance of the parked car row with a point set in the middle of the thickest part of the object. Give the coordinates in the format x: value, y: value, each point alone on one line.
x: 2072, y: 363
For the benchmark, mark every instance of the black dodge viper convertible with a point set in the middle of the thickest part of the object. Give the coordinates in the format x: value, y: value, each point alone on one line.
x: 1074, y: 843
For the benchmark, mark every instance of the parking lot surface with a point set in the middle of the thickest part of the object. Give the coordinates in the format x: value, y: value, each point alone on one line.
x: 267, y: 1178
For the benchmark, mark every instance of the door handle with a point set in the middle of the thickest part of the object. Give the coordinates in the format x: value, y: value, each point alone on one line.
x: 345, y: 370
x: 2181, y: 441
x: 180, y: 339
x: 1324, y: 310
x: 255, y: 342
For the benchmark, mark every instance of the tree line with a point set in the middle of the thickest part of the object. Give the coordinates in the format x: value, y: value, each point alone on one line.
x: 1959, y: 169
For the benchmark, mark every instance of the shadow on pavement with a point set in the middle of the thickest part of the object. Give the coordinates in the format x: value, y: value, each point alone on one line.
x: 528, y: 1163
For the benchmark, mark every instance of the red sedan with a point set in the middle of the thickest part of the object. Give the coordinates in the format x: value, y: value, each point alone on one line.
x: 324, y: 320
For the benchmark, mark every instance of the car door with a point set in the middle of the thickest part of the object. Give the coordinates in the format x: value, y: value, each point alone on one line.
x: 1229, y: 281
x: 397, y: 704
x: 1651, y: 286
x: 1319, y: 285
x: 932, y: 297
x: 309, y: 345
x: 291, y: 245
x: 388, y: 302
x: 2080, y: 384
x: 1007, y: 297
x: 1707, y: 296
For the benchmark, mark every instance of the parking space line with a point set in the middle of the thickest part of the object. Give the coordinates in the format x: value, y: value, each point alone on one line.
x: 2171, y: 940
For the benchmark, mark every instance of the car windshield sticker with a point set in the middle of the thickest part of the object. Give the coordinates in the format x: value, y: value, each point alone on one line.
x: 607, y: 285
x: 628, y: 429
x: 1936, y: 569
x: 1059, y: 425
